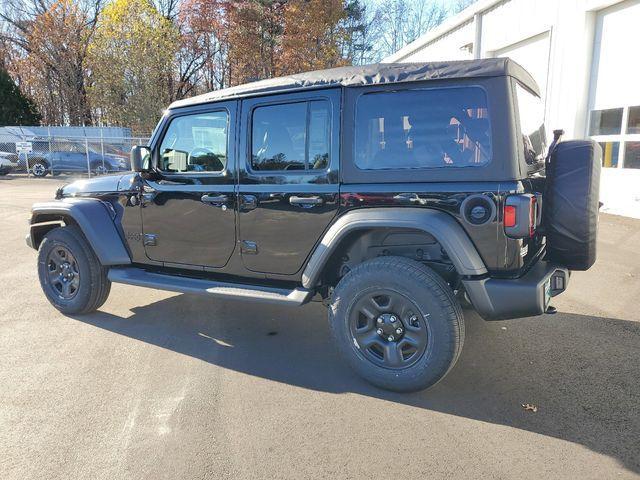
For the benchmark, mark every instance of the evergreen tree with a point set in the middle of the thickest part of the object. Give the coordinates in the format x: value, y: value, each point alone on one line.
x: 15, y: 108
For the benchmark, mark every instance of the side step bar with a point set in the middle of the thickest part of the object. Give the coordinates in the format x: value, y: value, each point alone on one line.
x: 142, y: 278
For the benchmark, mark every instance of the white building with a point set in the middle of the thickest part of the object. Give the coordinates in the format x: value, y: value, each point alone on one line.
x: 582, y: 53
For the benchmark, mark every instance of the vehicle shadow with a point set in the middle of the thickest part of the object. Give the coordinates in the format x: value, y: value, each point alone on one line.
x: 581, y: 371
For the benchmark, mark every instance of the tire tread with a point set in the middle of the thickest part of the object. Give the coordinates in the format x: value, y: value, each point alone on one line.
x: 429, y: 280
x: 99, y: 284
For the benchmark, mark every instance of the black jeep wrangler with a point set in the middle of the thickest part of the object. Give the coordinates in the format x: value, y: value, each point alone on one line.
x: 392, y: 192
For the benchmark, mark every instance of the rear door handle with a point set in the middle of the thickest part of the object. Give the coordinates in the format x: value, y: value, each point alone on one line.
x: 214, y: 198
x: 305, y: 201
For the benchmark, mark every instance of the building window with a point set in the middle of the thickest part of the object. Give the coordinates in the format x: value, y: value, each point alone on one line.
x: 633, y: 123
x: 632, y: 155
x: 606, y: 122
x: 617, y: 130
x: 610, y: 151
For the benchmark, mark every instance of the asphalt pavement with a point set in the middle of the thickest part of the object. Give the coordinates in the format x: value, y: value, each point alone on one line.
x: 158, y: 385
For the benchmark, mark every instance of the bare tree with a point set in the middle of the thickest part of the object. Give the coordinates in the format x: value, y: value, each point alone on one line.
x: 460, y: 5
x: 47, y: 44
x: 361, y: 33
x: 400, y: 22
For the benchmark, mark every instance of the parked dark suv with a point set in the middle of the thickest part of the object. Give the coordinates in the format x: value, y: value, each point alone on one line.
x: 391, y: 192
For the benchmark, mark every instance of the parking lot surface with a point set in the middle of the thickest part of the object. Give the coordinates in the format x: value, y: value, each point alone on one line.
x: 159, y: 385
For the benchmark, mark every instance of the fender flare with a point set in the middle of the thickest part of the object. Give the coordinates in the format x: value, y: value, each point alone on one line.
x: 94, y: 219
x: 442, y: 226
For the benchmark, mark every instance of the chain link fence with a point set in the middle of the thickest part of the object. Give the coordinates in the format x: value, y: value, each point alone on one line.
x: 57, y: 155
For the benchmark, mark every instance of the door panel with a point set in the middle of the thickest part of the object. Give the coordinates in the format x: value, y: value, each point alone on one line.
x: 77, y: 161
x: 188, y: 205
x: 186, y: 229
x: 288, y: 189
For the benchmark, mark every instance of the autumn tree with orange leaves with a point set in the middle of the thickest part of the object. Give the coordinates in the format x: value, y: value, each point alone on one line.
x: 312, y: 36
x: 119, y: 62
x: 51, y: 68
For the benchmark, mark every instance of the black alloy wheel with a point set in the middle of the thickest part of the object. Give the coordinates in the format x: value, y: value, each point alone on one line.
x: 388, y: 329
x: 397, y: 323
x: 63, y: 271
x: 71, y: 276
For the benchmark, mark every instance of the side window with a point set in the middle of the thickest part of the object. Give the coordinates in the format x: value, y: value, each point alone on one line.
x: 195, y: 143
x: 531, y: 111
x: 446, y: 127
x: 64, y: 147
x: 291, y: 136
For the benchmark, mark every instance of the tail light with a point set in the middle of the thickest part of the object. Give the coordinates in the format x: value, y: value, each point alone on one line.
x: 520, y: 215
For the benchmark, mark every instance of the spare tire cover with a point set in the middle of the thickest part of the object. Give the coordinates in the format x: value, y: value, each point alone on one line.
x: 571, y: 203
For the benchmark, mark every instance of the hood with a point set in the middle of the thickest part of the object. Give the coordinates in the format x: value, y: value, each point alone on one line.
x: 98, y: 185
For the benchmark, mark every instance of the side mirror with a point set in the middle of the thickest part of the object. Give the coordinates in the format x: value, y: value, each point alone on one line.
x: 139, y: 157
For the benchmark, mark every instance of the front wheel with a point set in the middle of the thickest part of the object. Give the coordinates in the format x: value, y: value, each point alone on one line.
x: 397, y: 323
x: 100, y: 169
x: 71, y: 275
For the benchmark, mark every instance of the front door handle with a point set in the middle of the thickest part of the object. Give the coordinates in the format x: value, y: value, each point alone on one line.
x: 214, y: 198
x: 305, y: 201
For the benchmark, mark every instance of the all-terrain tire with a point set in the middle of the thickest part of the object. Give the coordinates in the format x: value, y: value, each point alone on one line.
x: 437, y: 308
x: 93, y: 285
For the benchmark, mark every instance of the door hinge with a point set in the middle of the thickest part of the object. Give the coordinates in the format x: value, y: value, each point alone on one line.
x: 248, y: 247
x: 150, y: 240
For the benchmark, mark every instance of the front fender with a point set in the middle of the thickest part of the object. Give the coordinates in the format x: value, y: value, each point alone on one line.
x: 94, y: 219
x: 443, y: 227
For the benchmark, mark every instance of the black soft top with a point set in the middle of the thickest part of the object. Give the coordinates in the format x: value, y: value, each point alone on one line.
x: 375, y: 74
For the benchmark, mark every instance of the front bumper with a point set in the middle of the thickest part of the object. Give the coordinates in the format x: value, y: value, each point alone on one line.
x: 529, y: 295
x: 29, y: 241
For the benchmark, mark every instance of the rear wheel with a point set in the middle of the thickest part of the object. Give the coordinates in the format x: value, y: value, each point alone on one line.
x: 39, y: 169
x: 397, y: 323
x: 70, y: 274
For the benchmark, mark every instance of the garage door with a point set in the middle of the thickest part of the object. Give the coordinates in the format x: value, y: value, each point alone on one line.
x: 533, y: 55
x: 614, y: 118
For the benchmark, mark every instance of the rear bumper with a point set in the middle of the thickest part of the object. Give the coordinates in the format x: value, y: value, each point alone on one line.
x: 529, y: 295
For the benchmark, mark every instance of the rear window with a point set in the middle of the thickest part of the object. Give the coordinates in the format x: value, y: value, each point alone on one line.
x: 413, y: 129
x: 531, y: 110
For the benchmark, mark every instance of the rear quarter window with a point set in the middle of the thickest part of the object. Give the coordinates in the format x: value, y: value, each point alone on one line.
x: 531, y: 113
x: 427, y: 128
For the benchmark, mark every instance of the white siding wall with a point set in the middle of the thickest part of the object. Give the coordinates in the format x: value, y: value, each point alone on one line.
x: 554, y: 40
x: 448, y: 47
x: 510, y: 24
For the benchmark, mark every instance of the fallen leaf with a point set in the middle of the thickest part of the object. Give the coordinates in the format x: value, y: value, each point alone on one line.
x: 530, y: 407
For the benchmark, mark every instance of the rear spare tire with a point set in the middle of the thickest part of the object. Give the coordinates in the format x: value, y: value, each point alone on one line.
x: 571, y: 203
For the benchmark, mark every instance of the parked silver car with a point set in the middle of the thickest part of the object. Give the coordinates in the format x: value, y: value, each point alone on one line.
x: 6, y: 165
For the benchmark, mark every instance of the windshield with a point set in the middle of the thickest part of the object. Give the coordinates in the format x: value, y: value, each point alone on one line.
x: 531, y: 110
